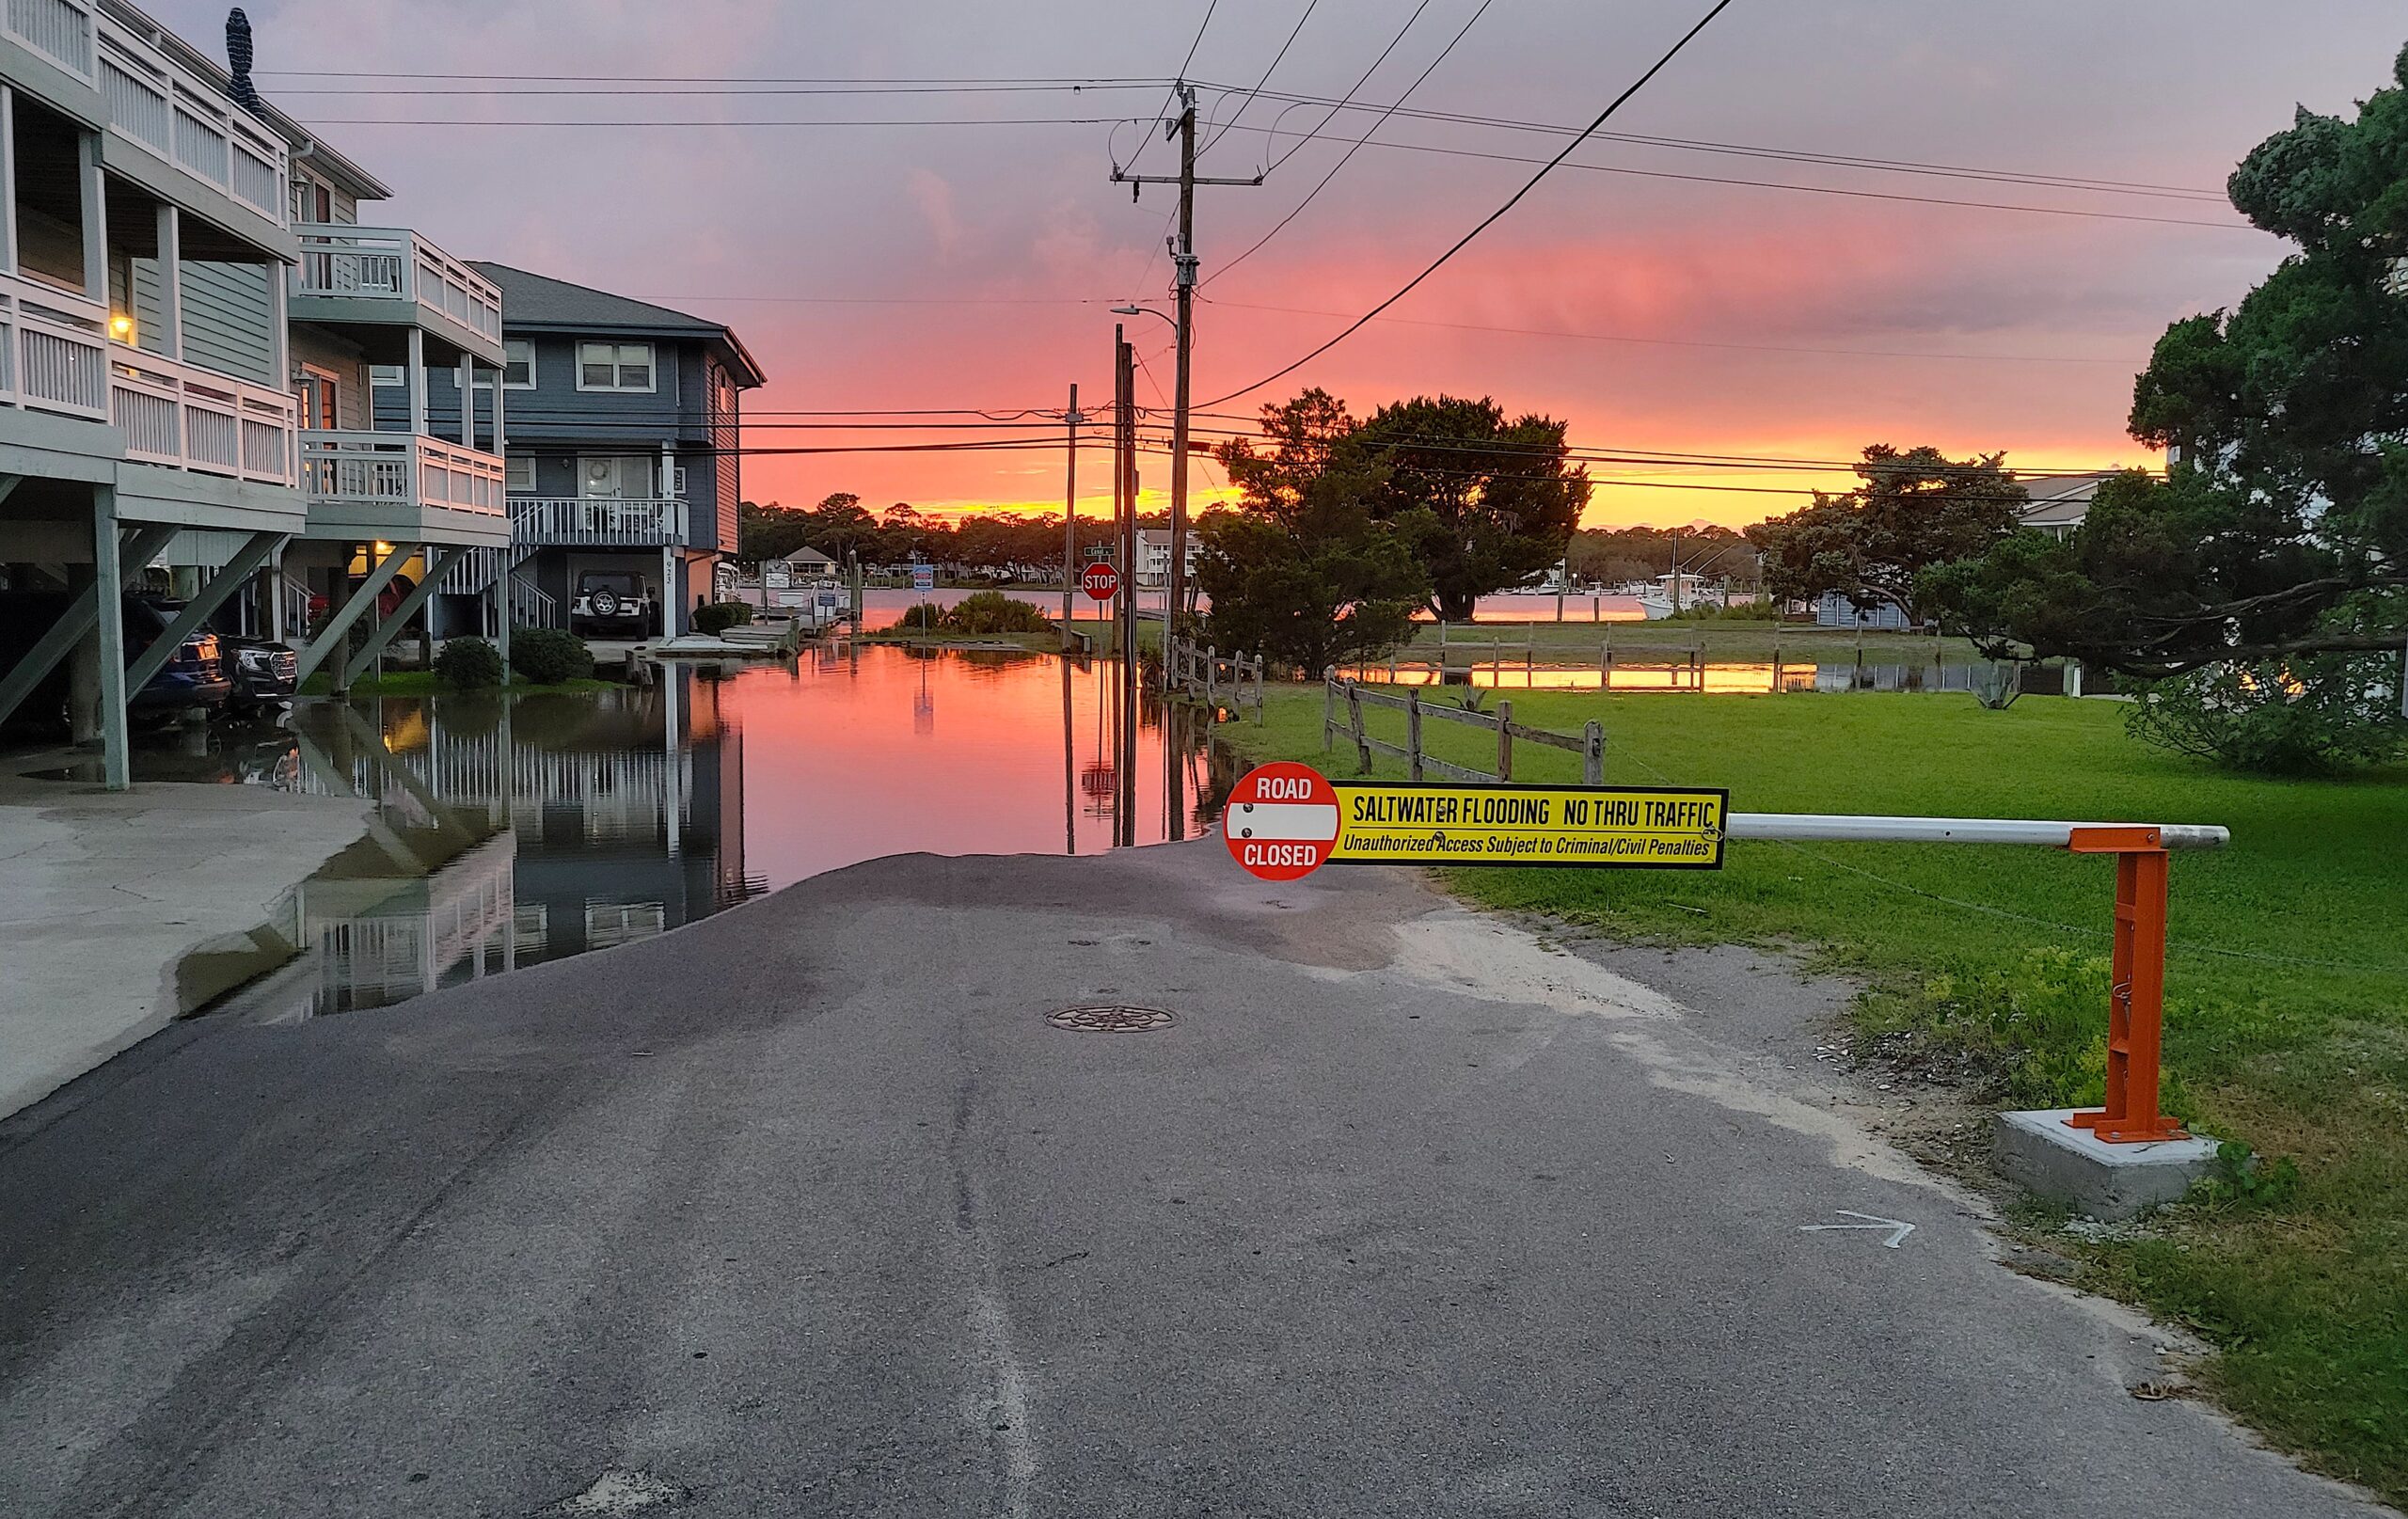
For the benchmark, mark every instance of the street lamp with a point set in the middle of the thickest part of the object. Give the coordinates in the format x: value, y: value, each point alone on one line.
x: 1146, y: 310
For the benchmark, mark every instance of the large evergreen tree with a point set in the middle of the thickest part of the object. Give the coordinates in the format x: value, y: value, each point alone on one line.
x: 2280, y: 532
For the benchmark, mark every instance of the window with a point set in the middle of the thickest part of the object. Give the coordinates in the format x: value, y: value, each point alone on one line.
x: 518, y: 367
x: 604, y: 366
x: 518, y: 475
x: 313, y: 201
x: 386, y: 374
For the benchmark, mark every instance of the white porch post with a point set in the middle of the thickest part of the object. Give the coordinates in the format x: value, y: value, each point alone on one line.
x: 417, y: 382
x: 468, y: 400
x: 500, y: 383
x: 171, y: 283
x: 96, y: 220
x: 280, y: 336
x: 115, y: 766
x: 7, y: 178
x: 673, y: 597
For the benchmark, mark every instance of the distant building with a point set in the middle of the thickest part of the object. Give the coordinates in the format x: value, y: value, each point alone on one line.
x: 1832, y: 610
x: 1153, y: 556
x: 808, y: 564
x: 2060, y: 503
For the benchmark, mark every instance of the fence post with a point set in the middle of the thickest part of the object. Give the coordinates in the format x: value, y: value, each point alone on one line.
x: 1593, y: 753
x: 1258, y: 690
x: 1212, y: 670
x: 1328, y: 711
x: 1413, y: 734
x: 1355, y: 712
x: 1504, y: 740
x: 1442, y: 637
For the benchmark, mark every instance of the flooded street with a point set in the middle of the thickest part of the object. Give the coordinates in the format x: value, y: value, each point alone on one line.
x: 515, y: 831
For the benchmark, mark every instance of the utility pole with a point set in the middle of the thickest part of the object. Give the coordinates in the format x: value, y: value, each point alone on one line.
x: 1184, y: 261
x: 1071, y: 523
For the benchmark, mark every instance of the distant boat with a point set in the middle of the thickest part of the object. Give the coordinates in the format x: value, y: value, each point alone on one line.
x: 1656, y: 598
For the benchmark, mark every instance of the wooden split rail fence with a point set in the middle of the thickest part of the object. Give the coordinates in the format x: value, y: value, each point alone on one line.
x: 1215, y: 678
x: 1590, y: 743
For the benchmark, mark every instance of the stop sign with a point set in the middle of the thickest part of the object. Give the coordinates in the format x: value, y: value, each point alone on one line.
x: 1282, y: 820
x: 1101, y: 581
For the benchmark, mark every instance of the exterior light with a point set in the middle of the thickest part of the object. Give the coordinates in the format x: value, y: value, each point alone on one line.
x: 383, y: 548
x: 122, y: 327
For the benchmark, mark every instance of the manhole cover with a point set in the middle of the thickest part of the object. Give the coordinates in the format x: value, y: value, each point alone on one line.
x: 1104, y: 1017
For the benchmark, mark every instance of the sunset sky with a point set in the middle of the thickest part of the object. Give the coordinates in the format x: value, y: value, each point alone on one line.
x: 973, y: 265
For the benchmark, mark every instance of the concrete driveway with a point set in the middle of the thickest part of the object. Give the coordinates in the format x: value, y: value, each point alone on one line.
x: 808, y: 1210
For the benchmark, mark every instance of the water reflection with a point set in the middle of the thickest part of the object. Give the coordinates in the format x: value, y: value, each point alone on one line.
x: 1735, y: 677
x: 512, y: 831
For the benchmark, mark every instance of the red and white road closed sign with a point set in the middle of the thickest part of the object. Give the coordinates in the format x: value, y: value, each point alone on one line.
x: 1101, y: 581
x: 1282, y: 820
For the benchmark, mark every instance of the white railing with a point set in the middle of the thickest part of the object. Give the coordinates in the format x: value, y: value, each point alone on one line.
x: 59, y: 30
x: 54, y: 350
x: 181, y: 117
x: 399, y: 469
x: 580, y: 521
x: 393, y: 264
x: 189, y: 418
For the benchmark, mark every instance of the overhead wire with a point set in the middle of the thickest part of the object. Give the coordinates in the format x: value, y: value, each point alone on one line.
x: 1492, y: 218
x: 1271, y: 167
x: 1252, y: 94
x: 1349, y: 155
x: 1161, y: 111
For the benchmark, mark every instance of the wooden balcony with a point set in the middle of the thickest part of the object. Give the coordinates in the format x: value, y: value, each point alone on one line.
x: 54, y: 350
x: 391, y: 276
x: 583, y: 523
x: 114, y: 69
x: 185, y: 416
x: 402, y: 487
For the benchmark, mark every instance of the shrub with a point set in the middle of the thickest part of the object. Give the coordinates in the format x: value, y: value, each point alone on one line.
x: 468, y: 664
x: 992, y: 611
x: 920, y: 617
x: 719, y: 616
x: 549, y: 656
x: 2308, y: 715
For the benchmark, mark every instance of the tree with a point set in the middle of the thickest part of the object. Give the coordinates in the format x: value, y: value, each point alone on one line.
x: 769, y: 531
x: 2280, y: 532
x: 1302, y: 571
x: 1916, y: 509
x: 1500, y: 499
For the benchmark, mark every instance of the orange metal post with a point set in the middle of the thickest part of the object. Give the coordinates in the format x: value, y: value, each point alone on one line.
x: 2136, y: 999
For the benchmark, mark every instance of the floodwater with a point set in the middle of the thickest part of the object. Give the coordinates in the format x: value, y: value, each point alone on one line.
x: 883, y: 608
x: 512, y: 831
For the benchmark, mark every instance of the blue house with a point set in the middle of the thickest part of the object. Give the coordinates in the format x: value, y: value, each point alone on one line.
x: 623, y: 422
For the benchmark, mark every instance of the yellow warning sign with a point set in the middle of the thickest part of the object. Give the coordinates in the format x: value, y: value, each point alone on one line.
x: 1382, y: 823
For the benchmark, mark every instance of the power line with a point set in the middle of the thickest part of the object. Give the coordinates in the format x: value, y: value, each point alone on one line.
x: 1365, y: 79
x: 1491, y: 219
x: 1782, y: 154
x: 1250, y: 95
x: 877, y: 121
x: 1148, y: 81
x: 1160, y: 112
x: 1678, y: 342
x: 1350, y: 152
x: 716, y: 92
x: 1803, y: 189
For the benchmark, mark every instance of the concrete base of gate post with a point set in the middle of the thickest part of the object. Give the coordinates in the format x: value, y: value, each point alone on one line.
x: 2038, y: 1150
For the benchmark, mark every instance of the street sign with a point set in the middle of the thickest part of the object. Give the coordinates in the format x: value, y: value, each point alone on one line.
x: 776, y: 574
x: 1282, y: 820
x: 827, y: 598
x: 1101, y: 583
x: 923, y: 578
x: 1444, y: 823
x: 1286, y: 820
x: 1098, y: 553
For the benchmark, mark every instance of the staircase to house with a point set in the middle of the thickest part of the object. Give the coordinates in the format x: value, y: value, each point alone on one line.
x: 478, y: 569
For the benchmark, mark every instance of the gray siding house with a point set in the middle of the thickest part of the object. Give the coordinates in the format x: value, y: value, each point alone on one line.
x: 622, y: 421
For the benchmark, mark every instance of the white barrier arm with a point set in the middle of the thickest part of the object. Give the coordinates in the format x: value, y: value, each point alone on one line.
x: 1836, y: 826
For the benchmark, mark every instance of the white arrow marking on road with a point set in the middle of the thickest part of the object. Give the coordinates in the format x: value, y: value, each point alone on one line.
x: 1897, y: 1230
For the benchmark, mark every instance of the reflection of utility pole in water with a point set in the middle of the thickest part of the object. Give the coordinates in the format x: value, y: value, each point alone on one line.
x: 673, y: 799
x: 1069, y: 764
x: 924, y: 705
x: 1125, y: 472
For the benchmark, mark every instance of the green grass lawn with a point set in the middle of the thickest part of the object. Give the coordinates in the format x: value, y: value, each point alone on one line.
x: 2287, y: 979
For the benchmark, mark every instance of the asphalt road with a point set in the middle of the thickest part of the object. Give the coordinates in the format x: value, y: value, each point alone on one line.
x: 806, y: 1210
